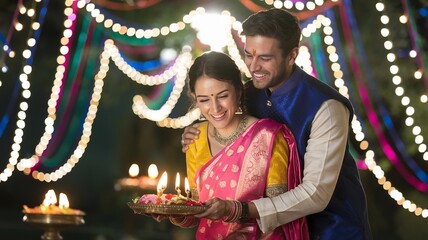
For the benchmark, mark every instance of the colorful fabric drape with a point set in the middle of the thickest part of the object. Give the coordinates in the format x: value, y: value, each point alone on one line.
x: 239, y: 172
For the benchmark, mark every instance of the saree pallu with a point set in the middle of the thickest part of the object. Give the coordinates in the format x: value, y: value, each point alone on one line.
x: 239, y: 172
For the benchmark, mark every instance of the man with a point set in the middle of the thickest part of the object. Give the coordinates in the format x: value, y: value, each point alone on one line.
x: 331, y: 195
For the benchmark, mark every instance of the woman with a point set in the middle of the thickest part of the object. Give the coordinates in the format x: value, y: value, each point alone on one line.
x: 237, y: 157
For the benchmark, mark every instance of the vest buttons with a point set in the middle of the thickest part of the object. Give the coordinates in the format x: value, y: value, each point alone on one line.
x: 268, y: 103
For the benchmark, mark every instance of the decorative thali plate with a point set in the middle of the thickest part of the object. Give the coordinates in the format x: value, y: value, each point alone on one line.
x: 172, y: 209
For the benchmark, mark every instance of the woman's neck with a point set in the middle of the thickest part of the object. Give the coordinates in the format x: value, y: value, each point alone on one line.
x: 229, y: 134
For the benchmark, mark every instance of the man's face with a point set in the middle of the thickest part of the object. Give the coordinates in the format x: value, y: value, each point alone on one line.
x: 264, y: 59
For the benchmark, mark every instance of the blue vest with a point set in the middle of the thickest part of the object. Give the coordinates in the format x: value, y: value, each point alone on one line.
x: 295, y: 103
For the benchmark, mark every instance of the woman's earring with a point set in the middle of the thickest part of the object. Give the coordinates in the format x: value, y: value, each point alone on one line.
x: 239, y: 111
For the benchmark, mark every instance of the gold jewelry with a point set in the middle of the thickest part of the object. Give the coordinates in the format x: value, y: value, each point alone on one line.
x: 226, y: 140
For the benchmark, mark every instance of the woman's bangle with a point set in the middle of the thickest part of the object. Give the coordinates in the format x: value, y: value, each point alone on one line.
x: 184, y: 222
x: 235, y: 212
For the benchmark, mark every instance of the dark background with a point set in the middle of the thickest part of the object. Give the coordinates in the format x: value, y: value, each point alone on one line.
x: 120, y: 138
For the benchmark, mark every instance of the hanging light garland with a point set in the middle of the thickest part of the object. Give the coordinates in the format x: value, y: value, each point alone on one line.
x: 182, y: 121
x: 417, y: 51
x: 7, y: 51
x: 298, y: 5
x: 145, y: 79
x: 125, y: 6
x: 399, y: 90
x: 26, y: 164
x: 116, y: 27
x: 418, y: 178
x: 140, y: 107
x: 87, y: 127
x: 304, y: 10
x: 27, y: 54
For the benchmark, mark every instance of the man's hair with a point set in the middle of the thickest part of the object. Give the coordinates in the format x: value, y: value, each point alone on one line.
x: 274, y: 23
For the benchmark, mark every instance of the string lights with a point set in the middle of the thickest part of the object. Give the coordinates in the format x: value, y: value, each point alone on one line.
x: 116, y: 27
x: 6, y: 47
x: 299, y: 6
x: 303, y: 9
x: 397, y: 80
x: 140, y: 107
x: 27, y: 54
x: 87, y: 126
x: 144, y: 79
x: 417, y: 48
x: 26, y: 164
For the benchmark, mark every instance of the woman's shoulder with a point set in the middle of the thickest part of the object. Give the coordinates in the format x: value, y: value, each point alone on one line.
x: 262, y: 121
x: 266, y: 124
x: 203, y: 135
x: 251, y: 119
x: 203, y: 125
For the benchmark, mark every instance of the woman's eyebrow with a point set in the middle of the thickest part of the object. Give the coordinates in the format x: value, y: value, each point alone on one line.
x: 201, y: 95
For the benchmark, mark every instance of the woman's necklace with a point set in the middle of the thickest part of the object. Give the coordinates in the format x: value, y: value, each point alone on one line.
x: 226, y: 140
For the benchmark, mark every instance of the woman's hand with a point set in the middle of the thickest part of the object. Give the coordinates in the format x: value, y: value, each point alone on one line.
x: 190, y: 133
x: 218, y: 209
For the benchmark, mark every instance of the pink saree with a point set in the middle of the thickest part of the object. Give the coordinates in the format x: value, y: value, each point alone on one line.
x: 239, y: 172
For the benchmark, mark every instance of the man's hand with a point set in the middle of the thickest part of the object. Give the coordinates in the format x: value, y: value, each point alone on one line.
x: 190, y: 133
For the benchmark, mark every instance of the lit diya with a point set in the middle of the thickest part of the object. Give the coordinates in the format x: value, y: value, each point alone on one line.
x: 162, y: 203
x: 135, y: 182
x: 52, y: 217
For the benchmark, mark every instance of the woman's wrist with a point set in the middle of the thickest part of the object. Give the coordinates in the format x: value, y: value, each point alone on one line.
x: 240, y: 211
x: 184, y: 222
x: 234, y: 212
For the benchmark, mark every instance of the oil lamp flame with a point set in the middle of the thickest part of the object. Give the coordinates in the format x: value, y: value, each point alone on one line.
x: 63, y: 201
x: 177, y: 184
x: 50, y: 198
x: 153, y: 171
x: 162, y: 183
x: 187, y: 187
x: 134, y: 170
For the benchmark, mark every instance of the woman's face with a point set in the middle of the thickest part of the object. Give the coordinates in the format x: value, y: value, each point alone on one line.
x: 218, y: 102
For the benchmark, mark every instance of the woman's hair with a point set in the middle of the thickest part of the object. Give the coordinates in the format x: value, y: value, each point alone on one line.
x: 274, y: 23
x: 219, y: 66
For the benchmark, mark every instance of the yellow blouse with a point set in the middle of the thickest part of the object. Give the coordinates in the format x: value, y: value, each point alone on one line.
x: 199, y: 154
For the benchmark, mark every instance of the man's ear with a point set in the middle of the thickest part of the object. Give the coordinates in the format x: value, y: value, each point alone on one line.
x: 293, y: 55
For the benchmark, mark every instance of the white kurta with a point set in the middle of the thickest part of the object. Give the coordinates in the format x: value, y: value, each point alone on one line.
x: 323, y: 161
